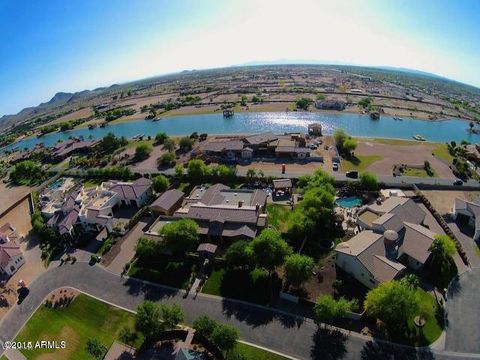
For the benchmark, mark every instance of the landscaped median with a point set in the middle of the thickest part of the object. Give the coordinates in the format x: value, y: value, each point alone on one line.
x: 83, y: 321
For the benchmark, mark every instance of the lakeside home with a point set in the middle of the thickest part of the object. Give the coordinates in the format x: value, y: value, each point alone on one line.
x: 392, y: 239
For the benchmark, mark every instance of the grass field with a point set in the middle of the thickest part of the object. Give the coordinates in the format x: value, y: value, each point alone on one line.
x: 360, y: 162
x: 163, y: 271
x: 252, y: 353
x: 441, y: 152
x: 238, y: 285
x: 418, y: 173
x: 278, y: 216
x: 84, y: 318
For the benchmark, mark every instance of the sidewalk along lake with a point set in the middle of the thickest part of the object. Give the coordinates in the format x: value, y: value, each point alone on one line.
x: 277, y: 122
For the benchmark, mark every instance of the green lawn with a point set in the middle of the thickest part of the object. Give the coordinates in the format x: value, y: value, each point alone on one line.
x: 238, y: 285
x: 433, y: 315
x: 164, y: 271
x: 387, y: 141
x: 252, y: 353
x: 441, y: 152
x: 278, y: 216
x: 360, y: 162
x: 89, y: 183
x: 418, y: 173
x: 84, y: 318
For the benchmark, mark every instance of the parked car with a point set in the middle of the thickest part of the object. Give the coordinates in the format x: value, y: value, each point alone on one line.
x: 335, y: 166
x: 458, y: 182
x: 352, y: 174
x: 313, y: 147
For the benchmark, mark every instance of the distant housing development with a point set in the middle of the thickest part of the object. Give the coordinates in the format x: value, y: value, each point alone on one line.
x: 392, y: 240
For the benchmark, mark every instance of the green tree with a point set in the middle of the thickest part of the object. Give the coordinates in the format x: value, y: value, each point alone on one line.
x: 180, y: 236
x: 110, y: 143
x: 328, y: 309
x: 442, y: 267
x: 186, y: 143
x: 349, y: 145
x: 393, y: 302
x: 339, y: 136
x: 179, y: 170
x: 204, y: 326
x: 160, y: 138
x: 166, y: 159
x: 270, y: 249
x: 95, y: 348
x: 299, y: 225
x: 368, y: 181
x: 148, y: 320
x: 172, y: 315
x: 239, y: 255
x: 298, y: 268
x: 27, y: 172
x: 197, y: 170
x: 147, y: 249
x: 244, y: 100
x: 225, y: 337
x: 142, y: 152
x: 169, y: 144
x: 251, y: 173
x: 160, y: 183
x: 303, y: 103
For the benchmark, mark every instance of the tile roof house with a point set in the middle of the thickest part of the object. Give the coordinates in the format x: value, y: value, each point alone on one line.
x: 131, y: 193
x: 168, y: 202
x: 392, y: 240
x: 11, y: 256
x: 470, y: 211
x: 224, y: 212
x: 72, y: 146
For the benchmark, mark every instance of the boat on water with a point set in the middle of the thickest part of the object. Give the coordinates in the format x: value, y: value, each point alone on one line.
x: 138, y: 136
x: 397, y: 118
x: 157, y: 119
x: 92, y: 126
x: 102, y: 125
x: 419, y: 138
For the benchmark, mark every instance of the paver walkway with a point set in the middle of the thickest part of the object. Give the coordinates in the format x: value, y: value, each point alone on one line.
x: 127, y: 248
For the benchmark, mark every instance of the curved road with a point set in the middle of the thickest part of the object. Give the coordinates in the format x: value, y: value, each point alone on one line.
x: 295, y: 336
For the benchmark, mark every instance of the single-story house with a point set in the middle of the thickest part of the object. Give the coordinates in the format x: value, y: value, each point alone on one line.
x: 470, y: 211
x: 72, y: 146
x: 168, y: 202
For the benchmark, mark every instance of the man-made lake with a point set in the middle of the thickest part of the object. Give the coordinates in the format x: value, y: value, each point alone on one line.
x: 354, y: 124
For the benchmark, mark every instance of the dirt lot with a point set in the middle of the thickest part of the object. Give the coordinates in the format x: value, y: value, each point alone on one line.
x: 9, y: 195
x: 442, y: 200
x: 402, y: 154
x: 19, y: 218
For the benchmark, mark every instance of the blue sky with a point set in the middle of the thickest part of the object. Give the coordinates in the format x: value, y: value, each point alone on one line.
x: 51, y: 46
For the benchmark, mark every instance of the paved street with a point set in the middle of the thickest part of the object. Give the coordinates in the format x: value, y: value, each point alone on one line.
x: 463, y: 331
x: 295, y: 336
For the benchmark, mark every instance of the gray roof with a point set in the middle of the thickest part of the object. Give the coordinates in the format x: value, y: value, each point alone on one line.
x: 223, y: 145
x: 417, y: 242
x: 207, y: 247
x: 131, y: 191
x: 168, y: 199
x: 261, y: 138
x: 282, y: 183
x: 404, y: 208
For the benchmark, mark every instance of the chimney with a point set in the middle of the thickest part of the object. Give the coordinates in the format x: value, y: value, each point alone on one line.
x: 240, y: 203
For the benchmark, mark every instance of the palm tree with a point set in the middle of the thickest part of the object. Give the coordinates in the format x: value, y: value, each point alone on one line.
x: 251, y: 174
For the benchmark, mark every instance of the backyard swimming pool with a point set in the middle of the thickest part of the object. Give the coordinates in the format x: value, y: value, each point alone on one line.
x: 349, y: 202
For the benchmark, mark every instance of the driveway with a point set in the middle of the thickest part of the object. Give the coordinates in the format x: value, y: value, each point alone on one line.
x: 296, y: 336
x: 126, y: 250
x: 467, y: 244
x: 463, y: 306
